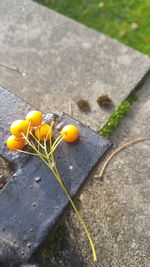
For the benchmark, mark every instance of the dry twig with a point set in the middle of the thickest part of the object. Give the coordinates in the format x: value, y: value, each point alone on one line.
x: 70, y: 110
x: 9, y: 67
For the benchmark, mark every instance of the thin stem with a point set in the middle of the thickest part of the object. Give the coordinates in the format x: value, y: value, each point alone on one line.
x: 54, y: 147
x: 57, y: 139
x: 26, y: 152
x: 55, y: 144
x: 27, y: 140
x: 9, y: 67
x: 38, y: 151
x: 45, y: 149
x: 74, y: 207
x: 55, y: 171
x: 50, y: 130
x: 47, y: 155
x: 31, y: 144
x: 28, y: 129
x: 39, y: 144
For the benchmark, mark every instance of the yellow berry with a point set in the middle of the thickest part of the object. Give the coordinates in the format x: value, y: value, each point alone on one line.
x: 14, y: 143
x: 35, y: 117
x: 70, y: 133
x: 43, y: 132
x: 18, y: 127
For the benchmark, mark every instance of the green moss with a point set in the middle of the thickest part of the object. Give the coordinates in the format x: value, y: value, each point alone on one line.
x: 51, y: 248
x: 126, y: 21
x: 115, y: 118
x: 132, y: 97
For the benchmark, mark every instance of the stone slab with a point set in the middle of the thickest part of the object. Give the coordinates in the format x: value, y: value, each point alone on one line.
x: 32, y: 203
x: 118, y: 206
x: 61, y: 61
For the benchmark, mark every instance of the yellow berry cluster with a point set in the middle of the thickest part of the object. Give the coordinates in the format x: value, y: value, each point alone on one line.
x: 43, y: 132
x: 33, y: 131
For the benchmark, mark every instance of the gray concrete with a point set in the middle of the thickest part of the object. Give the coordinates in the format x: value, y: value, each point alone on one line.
x: 117, y: 210
x: 61, y: 61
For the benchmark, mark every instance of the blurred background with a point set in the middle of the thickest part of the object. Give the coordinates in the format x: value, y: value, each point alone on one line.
x: 126, y: 21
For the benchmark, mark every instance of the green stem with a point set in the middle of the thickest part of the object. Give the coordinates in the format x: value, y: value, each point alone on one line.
x: 39, y: 144
x: 52, y: 166
x: 78, y: 214
x: 57, y: 139
x: 31, y: 144
x: 26, y: 152
x: 73, y: 205
x: 55, y: 144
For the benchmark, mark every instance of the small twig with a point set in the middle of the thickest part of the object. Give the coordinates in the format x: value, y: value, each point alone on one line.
x: 118, y: 149
x: 9, y: 67
x: 70, y: 111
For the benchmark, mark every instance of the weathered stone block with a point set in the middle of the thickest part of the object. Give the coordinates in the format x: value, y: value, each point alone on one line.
x: 32, y: 203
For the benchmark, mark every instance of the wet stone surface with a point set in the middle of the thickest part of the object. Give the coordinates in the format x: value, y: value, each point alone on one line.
x: 32, y: 202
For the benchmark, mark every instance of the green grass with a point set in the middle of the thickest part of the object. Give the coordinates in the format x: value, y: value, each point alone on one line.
x: 115, y: 18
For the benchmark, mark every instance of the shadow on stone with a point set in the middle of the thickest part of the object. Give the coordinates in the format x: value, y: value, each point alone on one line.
x: 59, y: 250
x: 6, y: 171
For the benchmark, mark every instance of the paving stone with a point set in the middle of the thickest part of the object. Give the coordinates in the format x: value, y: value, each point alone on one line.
x: 61, y: 61
x: 32, y: 203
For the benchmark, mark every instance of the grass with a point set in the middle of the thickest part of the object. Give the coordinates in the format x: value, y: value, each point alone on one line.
x: 126, y: 21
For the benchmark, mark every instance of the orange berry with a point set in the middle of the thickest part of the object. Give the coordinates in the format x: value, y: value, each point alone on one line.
x: 14, y: 143
x: 18, y: 127
x: 35, y: 117
x: 43, y: 132
x: 70, y: 133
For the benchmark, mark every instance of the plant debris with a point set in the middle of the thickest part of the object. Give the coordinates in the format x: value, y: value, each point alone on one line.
x: 118, y: 149
x: 9, y: 67
x: 104, y: 100
x: 83, y: 105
